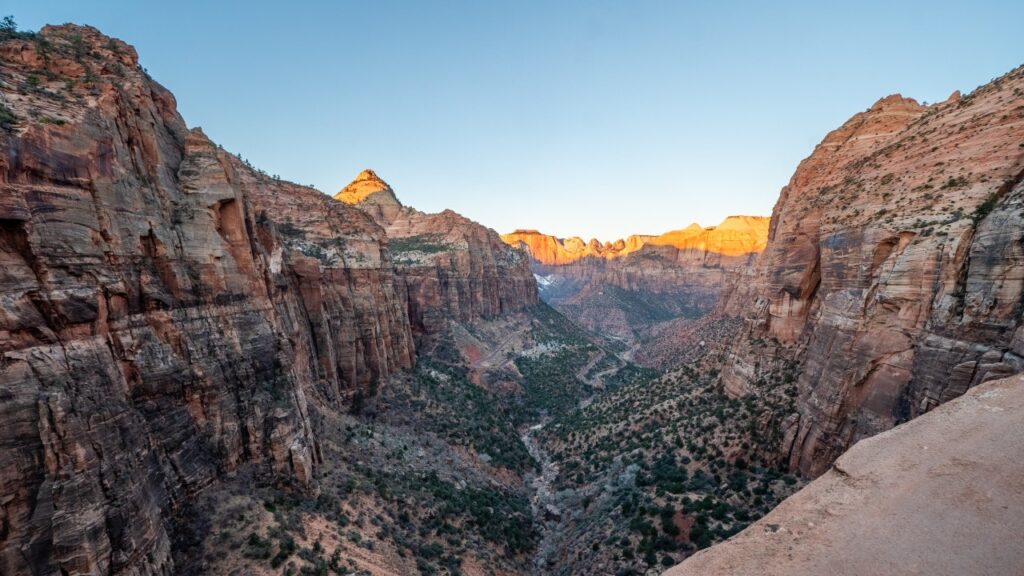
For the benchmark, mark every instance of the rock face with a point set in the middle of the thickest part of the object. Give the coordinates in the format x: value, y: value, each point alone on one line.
x: 449, y: 268
x: 552, y: 251
x: 735, y: 236
x: 167, y: 313
x: 939, y: 495
x: 894, y: 271
x: 626, y: 287
x: 693, y: 256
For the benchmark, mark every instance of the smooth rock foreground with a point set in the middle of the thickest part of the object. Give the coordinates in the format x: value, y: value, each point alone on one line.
x: 940, y: 495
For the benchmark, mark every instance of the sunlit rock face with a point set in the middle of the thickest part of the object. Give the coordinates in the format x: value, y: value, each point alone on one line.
x: 624, y: 288
x: 553, y: 251
x: 449, y: 268
x: 373, y: 196
x: 894, y: 270
x: 167, y: 313
x: 736, y: 236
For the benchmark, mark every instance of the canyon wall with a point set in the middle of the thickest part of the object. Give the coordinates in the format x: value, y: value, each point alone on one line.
x: 449, y: 268
x: 626, y: 287
x: 894, y: 271
x: 167, y: 313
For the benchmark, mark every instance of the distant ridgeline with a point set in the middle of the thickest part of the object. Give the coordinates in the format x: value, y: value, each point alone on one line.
x: 628, y: 288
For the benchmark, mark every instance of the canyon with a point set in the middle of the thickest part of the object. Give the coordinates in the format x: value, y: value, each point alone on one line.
x: 205, y: 369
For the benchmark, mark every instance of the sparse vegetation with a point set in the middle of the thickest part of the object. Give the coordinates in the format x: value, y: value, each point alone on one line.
x: 7, y: 118
x: 425, y: 243
x: 955, y: 182
x: 673, y: 463
x: 551, y: 384
x: 464, y: 414
x: 9, y: 30
x: 985, y: 208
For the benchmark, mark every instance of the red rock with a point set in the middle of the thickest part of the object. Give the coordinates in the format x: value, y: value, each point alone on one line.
x: 167, y: 313
x: 682, y: 273
x: 894, y: 271
x: 449, y: 267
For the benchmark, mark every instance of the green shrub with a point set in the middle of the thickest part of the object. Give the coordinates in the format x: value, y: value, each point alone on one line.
x: 9, y: 30
x: 426, y: 243
x: 985, y: 208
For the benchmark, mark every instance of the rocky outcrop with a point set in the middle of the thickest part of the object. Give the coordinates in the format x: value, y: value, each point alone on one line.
x: 373, y: 196
x: 940, y: 495
x: 894, y: 271
x: 167, y: 313
x: 449, y: 268
x: 626, y: 287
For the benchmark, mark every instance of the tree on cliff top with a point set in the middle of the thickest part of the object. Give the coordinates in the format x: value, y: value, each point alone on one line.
x: 9, y: 29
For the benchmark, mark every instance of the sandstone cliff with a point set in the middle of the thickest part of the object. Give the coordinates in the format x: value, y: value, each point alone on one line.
x: 553, y: 251
x: 167, y: 313
x: 449, y: 268
x: 735, y: 236
x: 693, y: 256
x: 627, y: 287
x: 940, y: 495
x: 894, y: 271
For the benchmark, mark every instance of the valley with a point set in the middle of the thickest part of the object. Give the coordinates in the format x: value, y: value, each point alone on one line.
x: 205, y: 369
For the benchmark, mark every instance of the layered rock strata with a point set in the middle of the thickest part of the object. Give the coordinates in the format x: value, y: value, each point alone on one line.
x: 449, y: 268
x: 626, y: 287
x: 167, y: 313
x: 894, y: 271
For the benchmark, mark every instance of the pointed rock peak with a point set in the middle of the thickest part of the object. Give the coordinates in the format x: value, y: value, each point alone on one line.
x: 367, y: 188
x: 369, y: 175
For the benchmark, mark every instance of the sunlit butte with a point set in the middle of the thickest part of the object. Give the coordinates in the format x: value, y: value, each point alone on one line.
x: 735, y: 236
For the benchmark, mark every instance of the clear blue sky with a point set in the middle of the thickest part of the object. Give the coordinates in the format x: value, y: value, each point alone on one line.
x: 588, y: 118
